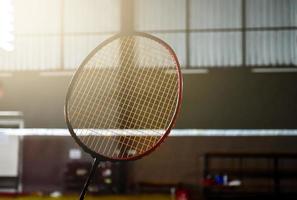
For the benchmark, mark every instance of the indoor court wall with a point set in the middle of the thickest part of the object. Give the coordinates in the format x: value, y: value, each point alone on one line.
x: 184, y: 165
x: 220, y: 99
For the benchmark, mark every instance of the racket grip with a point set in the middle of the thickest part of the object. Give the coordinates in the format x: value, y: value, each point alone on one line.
x: 92, y: 172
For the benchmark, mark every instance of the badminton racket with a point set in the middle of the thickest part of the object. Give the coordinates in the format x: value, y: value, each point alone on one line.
x: 124, y: 98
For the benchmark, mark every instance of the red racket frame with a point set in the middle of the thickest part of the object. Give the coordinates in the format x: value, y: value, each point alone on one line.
x: 172, y: 123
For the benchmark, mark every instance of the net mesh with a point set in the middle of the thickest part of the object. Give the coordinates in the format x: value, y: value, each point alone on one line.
x: 124, y: 97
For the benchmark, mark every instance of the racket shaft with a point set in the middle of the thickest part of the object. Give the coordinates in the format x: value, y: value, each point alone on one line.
x: 92, y: 172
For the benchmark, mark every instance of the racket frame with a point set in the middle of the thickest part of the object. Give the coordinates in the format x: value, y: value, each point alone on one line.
x: 74, y: 78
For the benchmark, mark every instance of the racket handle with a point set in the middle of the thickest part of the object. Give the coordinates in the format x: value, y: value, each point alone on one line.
x: 92, y: 172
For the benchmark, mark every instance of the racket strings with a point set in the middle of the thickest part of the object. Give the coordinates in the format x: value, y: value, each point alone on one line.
x: 106, y: 78
x: 81, y: 106
x: 125, y: 125
x: 146, y: 85
x: 117, y: 142
x: 136, y: 98
x: 131, y: 121
x: 146, y: 99
x: 135, y: 121
x: 131, y: 87
x: 121, y: 113
x: 146, y: 110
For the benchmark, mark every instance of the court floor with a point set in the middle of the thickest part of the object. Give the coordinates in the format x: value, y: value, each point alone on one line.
x: 109, y: 197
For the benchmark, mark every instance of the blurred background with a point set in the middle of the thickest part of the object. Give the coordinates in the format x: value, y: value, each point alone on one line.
x: 234, y: 139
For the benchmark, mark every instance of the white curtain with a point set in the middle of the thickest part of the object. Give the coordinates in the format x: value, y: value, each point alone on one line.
x: 34, y: 17
x: 268, y: 48
x: 91, y: 16
x: 264, y: 48
x: 206, y: 14
x: 37, y: 31
x: 83, y: 19
x: 159, y: 15
x: 37, y: 28
x: 78, y: 47
x: 215, y: 49
x: 166, y: 16
x: 178, y: 43
x: 271, y: 13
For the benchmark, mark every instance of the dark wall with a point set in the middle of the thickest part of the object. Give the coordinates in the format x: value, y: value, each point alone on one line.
x: 222, y: 98
x: 40, y: 98
x: 179, y: 159
x: 44, y: 161
x: 239, y: 99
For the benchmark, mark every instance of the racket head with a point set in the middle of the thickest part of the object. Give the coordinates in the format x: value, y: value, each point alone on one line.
x: 74, y: 129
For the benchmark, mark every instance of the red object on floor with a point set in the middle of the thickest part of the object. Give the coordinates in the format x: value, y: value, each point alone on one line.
x: 182, y: 194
